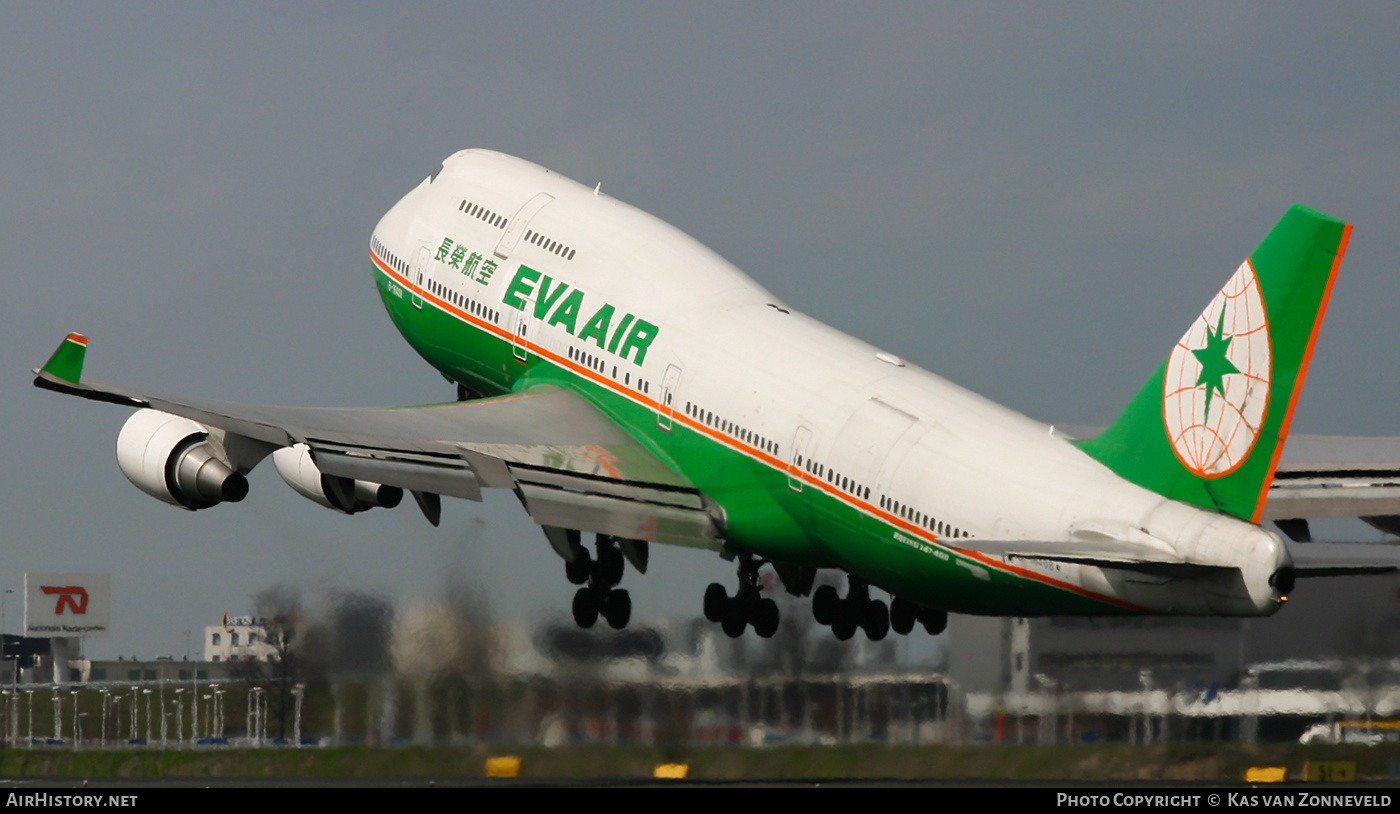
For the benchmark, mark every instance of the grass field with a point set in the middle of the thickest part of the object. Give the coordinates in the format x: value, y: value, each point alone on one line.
x: 1220, y: 762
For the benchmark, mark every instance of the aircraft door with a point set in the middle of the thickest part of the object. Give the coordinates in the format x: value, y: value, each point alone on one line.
x: 519, y: 224
x: 801, y: 444
x: 667, y: 410
x: 518, y: 340
x: 420, y: 271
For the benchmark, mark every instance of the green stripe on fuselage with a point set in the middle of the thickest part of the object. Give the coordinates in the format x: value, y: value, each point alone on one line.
x: 764, y: 516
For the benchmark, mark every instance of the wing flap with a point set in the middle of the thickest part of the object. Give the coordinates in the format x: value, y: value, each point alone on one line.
x: 421, y: 473
x: 629, y: 519
x: 625, y: 490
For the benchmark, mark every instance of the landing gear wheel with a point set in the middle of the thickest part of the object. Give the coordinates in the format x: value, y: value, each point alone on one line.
x: 585, y: 608
x: 875, y: 620
x: 578, y: 570
x: 844, y: 629
x: 617, y: 608
x: 826, y: 605
x: 903, y: 615
x: 935, y: 621
x: 765, y: 618
x: 734, y: 620
x: 608, y: 571
x: 716, y: 602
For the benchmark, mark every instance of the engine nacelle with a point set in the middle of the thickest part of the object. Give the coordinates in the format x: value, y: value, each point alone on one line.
x: 171, y: 459
x: 295, y: 466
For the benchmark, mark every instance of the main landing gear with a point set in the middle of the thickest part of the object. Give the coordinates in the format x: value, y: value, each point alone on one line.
x: 599, y: 575
x: 855, y: 610
x: 858, y: 610
x: 903, y: 615
x: 746, y: 607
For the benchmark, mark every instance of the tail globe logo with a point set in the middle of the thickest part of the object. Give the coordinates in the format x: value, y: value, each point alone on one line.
x: 1217, y: 380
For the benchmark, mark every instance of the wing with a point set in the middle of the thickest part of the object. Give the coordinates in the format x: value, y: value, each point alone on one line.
x: 571, y: 466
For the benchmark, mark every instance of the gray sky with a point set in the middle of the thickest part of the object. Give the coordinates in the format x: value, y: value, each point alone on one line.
x: 1033, y: 201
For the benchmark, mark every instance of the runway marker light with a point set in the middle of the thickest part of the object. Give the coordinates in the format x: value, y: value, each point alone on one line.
x: 1266, y: 774
x: 503, y: 766
x: 672, y: 771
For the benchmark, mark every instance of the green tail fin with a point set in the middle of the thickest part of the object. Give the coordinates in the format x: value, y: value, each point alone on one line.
x: 67, y: 362
x: 1209, y: 426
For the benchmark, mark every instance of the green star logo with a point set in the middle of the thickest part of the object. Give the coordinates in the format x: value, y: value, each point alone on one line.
x: 1215, y: 365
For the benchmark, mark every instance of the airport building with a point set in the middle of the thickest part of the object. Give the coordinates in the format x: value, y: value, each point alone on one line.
x: 241, y: 638
x: 365, y: 671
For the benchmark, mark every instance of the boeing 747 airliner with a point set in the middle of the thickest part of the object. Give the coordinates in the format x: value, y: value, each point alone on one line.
x: 628, y: 384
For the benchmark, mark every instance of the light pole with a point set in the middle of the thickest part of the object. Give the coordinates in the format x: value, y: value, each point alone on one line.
x: 217, y: 730
x: 77, y: 721
x: 147, y: 693
x: 4, y: 595
x: 116, y: 718
x: 106, y: 702
x: 252, y: 707
x: 179, y: 715
x: 257, y: 714
x: 4, y: 628
x: 194, y: 713
x: 297, y: 692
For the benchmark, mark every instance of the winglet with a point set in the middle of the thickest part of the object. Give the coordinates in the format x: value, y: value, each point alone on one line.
x: 67, y: 362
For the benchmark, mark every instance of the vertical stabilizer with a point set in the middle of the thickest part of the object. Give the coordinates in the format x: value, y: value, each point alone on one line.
x: 1209, y: 426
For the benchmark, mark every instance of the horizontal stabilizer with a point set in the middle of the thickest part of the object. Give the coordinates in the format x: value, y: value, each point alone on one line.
x: 1321, y: 475
x: 1343, y: 559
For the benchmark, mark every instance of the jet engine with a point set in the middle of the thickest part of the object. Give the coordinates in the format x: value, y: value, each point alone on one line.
x: 172, y: 459
x: 295, y: 466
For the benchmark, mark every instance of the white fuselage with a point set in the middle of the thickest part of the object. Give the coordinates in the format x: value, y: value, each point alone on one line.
x: 917, y: 452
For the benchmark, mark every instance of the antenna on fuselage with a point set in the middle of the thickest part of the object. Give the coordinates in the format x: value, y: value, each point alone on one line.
x: 598, y: 188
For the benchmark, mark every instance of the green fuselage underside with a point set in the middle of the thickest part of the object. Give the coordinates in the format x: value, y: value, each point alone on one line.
x: 764, y: 515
